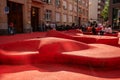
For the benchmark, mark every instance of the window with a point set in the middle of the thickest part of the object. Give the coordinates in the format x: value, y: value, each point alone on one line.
x: 57, y: 17
x: 64, y: 18
x: 47, y: 1
x: 70, y: 19
x: 75, y: 8
x: 48, y: 15
x: 75, y: 0
x: 86, y: 4
x: 99, y: 7
x: 79, y: 10
x: 98, y: 12
x: 70, y: 7
x: 83, y: 12
x: 83, y: 2
x: 99, y: 1
x: 75, y: 19
x: 57, y: 2
x: 64, y: 5
x: 80, y: 2
x: 119, y: 13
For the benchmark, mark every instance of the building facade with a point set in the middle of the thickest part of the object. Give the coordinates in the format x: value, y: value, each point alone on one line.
x: 29, y: 15
x: 114, y: 14
x: 95, y: 9
x: 67, y: 11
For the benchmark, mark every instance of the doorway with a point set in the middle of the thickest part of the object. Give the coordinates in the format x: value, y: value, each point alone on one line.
x: 16, y: 16
x: 35, y: 19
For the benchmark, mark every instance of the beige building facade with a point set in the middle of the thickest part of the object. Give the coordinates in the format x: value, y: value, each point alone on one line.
x: 29, y: 15
x: 95, y: 9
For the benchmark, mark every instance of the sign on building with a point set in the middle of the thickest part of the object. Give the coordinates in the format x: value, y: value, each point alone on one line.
x: 6, y: 10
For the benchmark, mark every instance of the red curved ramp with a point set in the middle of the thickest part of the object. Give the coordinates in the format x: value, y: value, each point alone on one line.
x: 50, y: 47
x: 57, y: 50
x: 20, y: 52
x: 98, y: 39
x: 86, y: 38
x: 103, y: 56
x: 115, y: 34
x: 54, y: 33
x: 16, y: 58
x: 97, y: 55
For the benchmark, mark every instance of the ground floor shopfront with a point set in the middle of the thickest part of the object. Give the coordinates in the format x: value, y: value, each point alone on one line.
x: 114, y: 15
x: 26, y: 15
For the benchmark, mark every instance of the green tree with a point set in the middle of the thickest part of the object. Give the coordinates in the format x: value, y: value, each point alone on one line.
x: 104, y: 13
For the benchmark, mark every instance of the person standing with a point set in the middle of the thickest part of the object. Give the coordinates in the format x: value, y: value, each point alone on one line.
x: 11, y: 28
x: 53, y: 26
x: 94, y: 30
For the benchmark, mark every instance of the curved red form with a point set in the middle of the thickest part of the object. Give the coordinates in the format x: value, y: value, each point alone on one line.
x: 58, y: 50
x: 86, y: 38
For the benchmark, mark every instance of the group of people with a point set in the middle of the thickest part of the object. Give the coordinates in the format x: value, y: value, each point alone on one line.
x: 96, y: 29
x: 99, y: 29
x: 93, y: 27
x: 54, y: 26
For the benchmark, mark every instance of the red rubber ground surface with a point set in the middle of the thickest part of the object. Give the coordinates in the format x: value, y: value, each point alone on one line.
x: 55, y: 72
x: 40, y: 71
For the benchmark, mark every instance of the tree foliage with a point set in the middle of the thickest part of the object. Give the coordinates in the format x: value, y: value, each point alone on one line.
x: 104, y: 13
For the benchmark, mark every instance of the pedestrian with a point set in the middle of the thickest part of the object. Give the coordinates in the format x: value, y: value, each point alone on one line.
x: 11, y: 28
x: 94, y: 30
x: 53, y: 26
